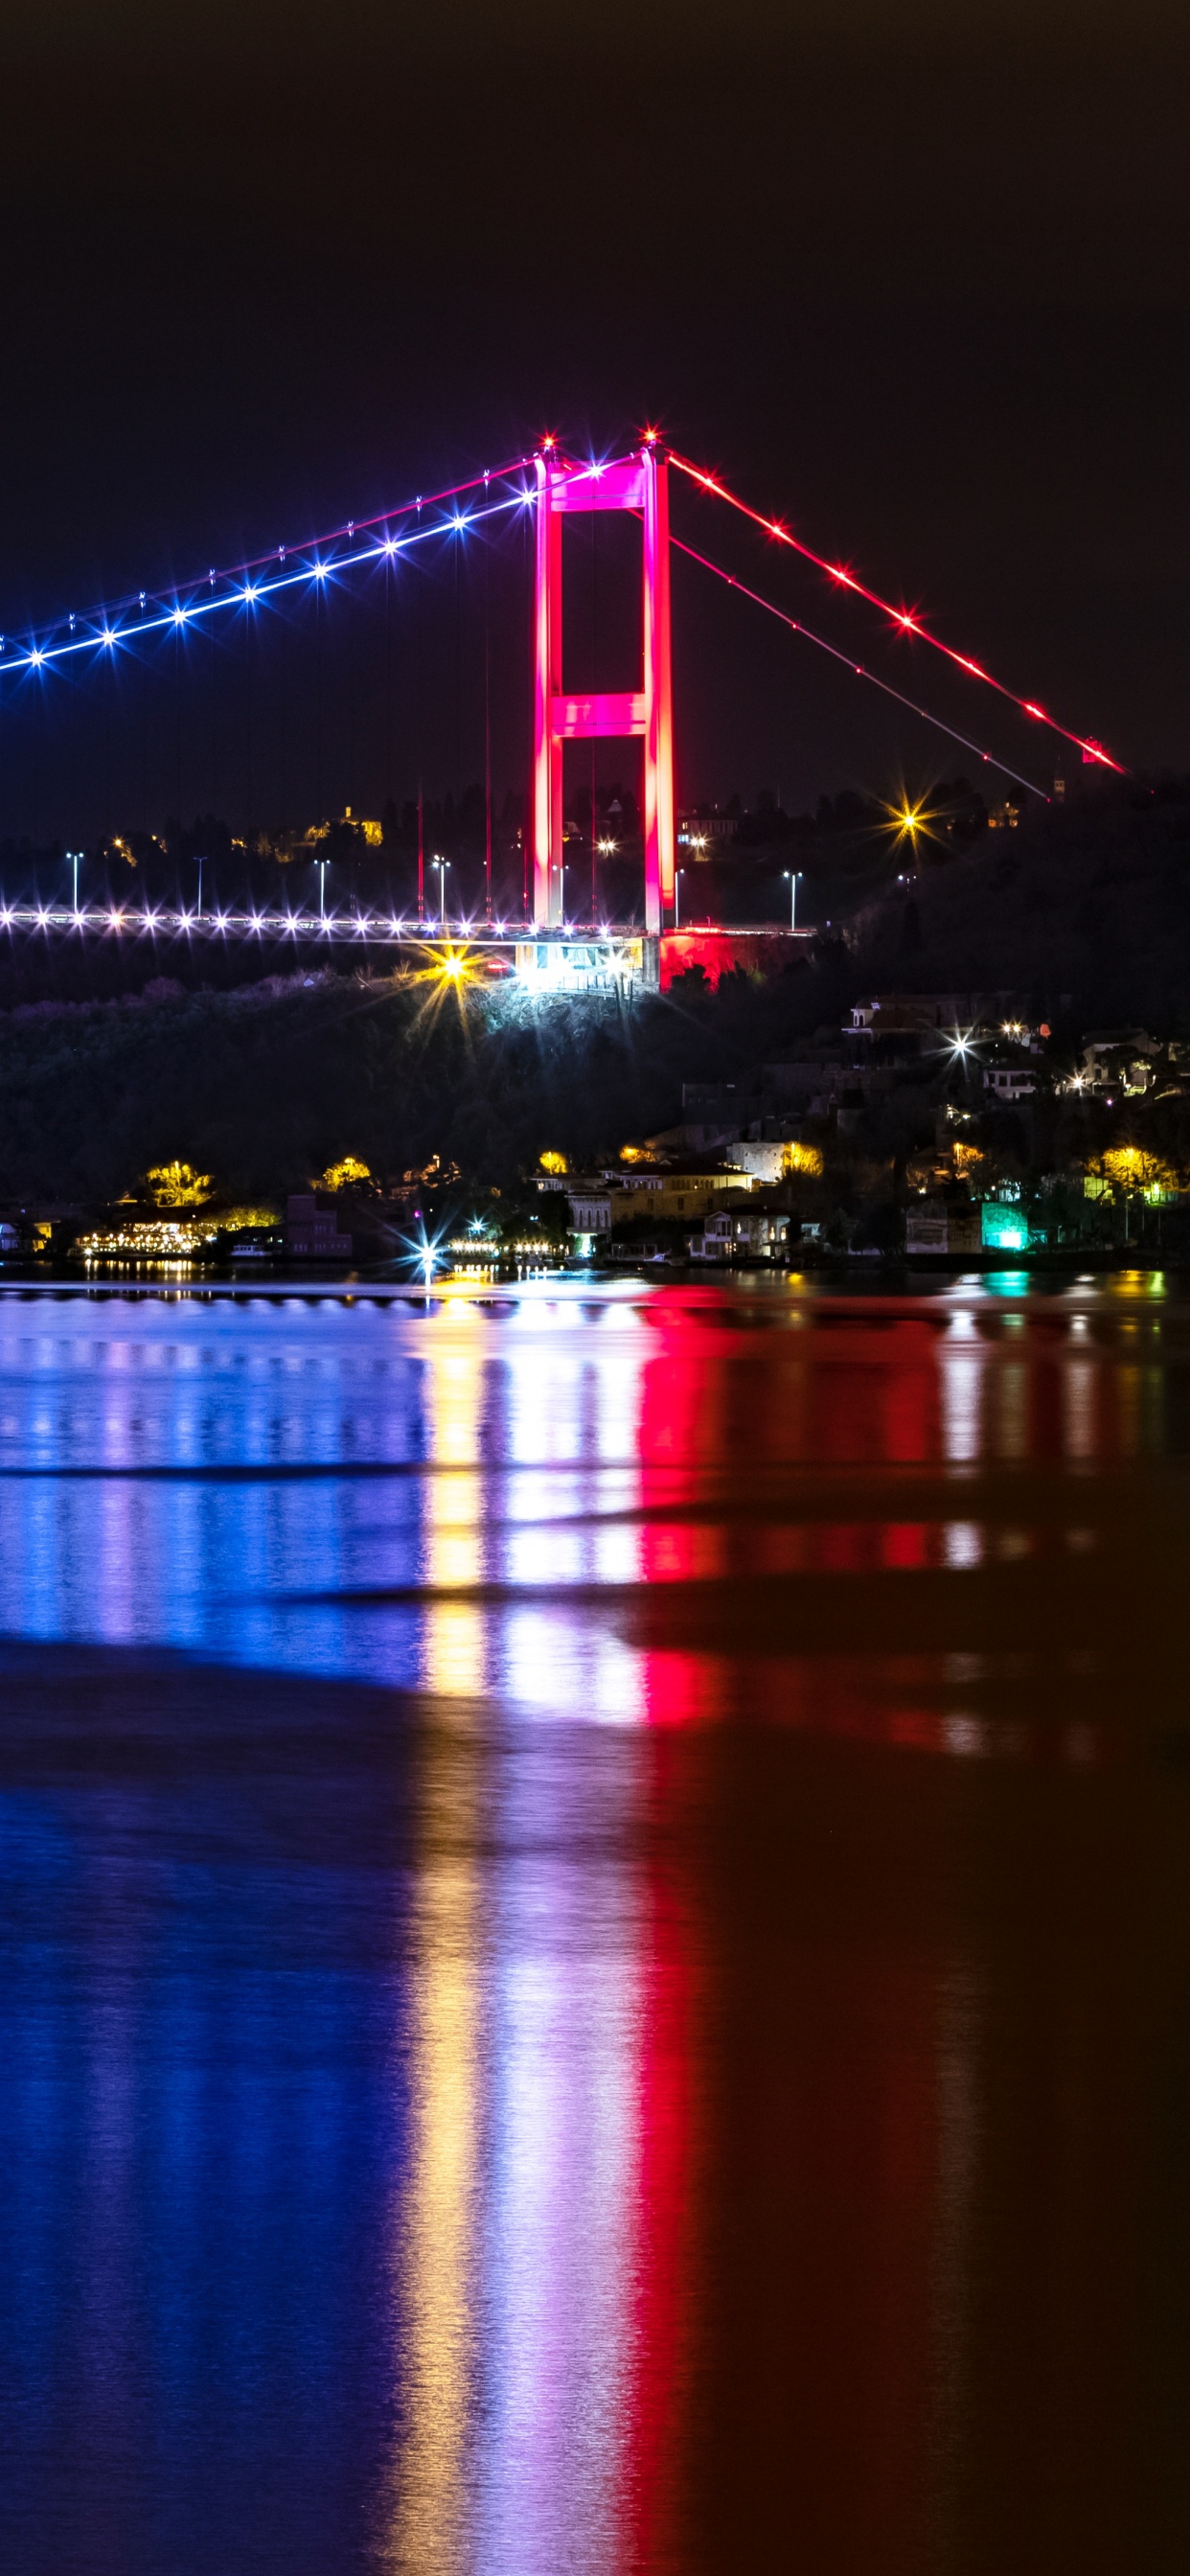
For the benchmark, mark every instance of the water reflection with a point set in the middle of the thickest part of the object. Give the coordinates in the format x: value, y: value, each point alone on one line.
x: 621, y: 2003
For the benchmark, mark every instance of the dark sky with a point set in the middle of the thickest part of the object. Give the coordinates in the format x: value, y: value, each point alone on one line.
x: 916, y: 277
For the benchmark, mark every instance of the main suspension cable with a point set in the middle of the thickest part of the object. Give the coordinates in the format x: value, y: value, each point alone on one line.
x: 860, y: 669
x: 903, y: 620
x: 244, y: 584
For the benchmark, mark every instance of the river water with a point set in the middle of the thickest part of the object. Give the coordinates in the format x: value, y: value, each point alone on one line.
x: 595, y: 1932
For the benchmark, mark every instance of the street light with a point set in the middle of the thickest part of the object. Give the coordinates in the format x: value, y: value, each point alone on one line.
x: 679, y: 873
x: 322, y: 866
x: 200, y: 865
x: 442, y: 866
x: 791, y: 876
x: 74, y: 856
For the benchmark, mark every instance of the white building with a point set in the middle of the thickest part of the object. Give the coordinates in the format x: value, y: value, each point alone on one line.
x: 1010, y: 1081
x: 590, y: 1211
x: 728, y: 1237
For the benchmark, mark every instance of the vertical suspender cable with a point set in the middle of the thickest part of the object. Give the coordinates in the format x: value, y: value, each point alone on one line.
x: 594, y: 516
x: 421, y: 808
x: 528, y: 595
x: 487, y: 736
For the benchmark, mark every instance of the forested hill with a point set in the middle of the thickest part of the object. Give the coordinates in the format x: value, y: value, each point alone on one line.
x: 264, y: 1086
x: 1092, y: 903
x: 1086, y: 911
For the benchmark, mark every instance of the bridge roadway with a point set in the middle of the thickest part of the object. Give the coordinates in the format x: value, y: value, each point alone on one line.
x: 351, y: 929
x: 572, y: 957
x: 569, y: 958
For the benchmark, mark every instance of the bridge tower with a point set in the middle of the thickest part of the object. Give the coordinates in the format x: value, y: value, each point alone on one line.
x: 640, y: 483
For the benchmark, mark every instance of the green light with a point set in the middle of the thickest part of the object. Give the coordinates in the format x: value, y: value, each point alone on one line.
x: 1003, y: 1229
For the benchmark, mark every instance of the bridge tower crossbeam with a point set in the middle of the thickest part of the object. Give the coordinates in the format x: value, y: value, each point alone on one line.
x: 639, y: 483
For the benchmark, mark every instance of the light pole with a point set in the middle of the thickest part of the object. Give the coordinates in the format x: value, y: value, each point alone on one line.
x: 792, y: 875
x: 200, y: 865
x: 74, y: 856
x: 321, y: 865
x: 442, y: 866
x: 679, y: 873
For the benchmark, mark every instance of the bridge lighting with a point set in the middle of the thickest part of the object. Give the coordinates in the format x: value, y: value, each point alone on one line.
x: 179, y: 616
x: 108, y: 636
x: 458, y: 521
x: 319, y: 572
x: 36, y: 658
x: 249, y: 595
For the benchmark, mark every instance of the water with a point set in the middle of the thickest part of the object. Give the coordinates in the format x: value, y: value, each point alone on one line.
x: 595, y: 1933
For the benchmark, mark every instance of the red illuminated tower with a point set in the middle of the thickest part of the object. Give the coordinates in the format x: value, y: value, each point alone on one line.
x: 639, y: 483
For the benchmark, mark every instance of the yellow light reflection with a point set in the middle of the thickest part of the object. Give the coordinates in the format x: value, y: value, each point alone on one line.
x: 436, y: 2285
x: 454, y: 1657
x: 438, y: 2338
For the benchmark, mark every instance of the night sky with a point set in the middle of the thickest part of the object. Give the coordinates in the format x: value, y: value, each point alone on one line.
x: 915, y: 278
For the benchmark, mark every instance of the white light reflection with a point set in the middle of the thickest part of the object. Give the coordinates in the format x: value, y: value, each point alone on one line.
x: 961, y: 1371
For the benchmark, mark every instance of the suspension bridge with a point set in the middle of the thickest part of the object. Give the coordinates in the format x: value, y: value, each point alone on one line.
x: 126, y: 648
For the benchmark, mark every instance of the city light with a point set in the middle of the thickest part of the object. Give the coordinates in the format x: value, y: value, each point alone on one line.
x: 450, y: 970
x: 422, y: 1251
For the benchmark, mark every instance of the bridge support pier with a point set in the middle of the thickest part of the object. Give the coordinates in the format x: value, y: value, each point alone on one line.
x: 639, y: 483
